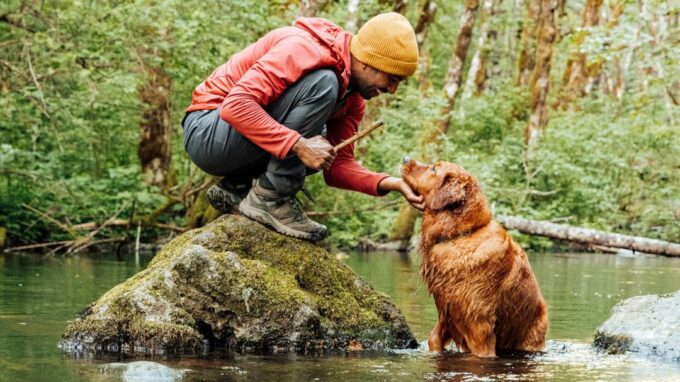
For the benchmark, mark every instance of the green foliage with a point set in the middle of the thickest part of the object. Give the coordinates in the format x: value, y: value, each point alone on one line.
x: 70, y: 74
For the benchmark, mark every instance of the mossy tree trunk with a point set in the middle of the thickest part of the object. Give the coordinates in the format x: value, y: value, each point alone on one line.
x: 477, y: 74
x: 405, y: 222
x: 156, y: 128
x: 578, y: 72
x: 454, y: 75
x: 422, y: 28
x: 3, y: 237
x: 201, y: 212
x: 527, y: 54
x: 540, y: 77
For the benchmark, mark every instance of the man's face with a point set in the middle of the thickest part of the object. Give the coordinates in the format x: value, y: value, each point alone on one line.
x: 370, y: 82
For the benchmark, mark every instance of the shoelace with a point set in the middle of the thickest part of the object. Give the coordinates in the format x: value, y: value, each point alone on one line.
x: 296, y: 206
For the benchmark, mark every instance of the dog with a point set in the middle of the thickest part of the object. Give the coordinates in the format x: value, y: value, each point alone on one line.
x: 486, y: 294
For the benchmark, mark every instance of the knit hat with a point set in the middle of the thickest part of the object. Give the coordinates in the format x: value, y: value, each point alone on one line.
x: 387, y: 42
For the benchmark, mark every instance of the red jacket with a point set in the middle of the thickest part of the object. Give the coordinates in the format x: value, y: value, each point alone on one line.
x: 260, y: 73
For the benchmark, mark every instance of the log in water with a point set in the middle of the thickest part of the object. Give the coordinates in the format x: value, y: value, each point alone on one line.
x: 590, y: 236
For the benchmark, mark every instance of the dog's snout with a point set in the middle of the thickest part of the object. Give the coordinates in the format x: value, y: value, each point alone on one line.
x: 405, y: 160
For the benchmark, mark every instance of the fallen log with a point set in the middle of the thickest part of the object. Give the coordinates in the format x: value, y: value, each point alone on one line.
x: 590, y: 236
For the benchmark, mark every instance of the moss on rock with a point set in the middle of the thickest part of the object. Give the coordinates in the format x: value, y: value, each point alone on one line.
x: 236, y: 284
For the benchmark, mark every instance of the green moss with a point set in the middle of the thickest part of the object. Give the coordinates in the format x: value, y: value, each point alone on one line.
x: 3, y: 237
x: 235, y: 281
x: 613, y: 344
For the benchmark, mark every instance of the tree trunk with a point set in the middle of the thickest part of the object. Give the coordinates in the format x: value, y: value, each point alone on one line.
x: 590, y: 236
x: 405, y: 223
x: 424, y: 21
x: 606, y: 80
x: 540, y: 77
x: 310, y: 8
x: 477, y: 76
x: 623, y: 68
x: 403, y: 226
x: 352, y: 15
x: 156, y: 129
x: 454, y: 75
x: 577, y: 73
x: 399, y: 6
x: 527, y: 54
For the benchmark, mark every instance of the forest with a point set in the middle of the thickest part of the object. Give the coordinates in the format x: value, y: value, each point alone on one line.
x: 566, y: 111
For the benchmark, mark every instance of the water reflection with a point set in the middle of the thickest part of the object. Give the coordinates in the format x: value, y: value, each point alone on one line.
x: 453, y: 366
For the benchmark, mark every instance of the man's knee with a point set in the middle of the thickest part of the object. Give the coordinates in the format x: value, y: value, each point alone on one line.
x: 325, y: 86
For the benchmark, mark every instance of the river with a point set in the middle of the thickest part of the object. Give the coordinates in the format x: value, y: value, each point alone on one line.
x: 39, y: 294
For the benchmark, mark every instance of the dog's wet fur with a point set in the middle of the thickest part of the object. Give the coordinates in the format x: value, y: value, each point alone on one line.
x: 486, y: 293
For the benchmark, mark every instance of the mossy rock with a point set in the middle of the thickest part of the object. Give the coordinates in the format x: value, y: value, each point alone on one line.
x: 235, y: 284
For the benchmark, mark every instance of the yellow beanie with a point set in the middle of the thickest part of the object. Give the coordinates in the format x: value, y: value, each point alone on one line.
x: 387, y: 42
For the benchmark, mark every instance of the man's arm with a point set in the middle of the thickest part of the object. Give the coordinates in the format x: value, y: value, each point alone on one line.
x: 346, y: 173
x: 243, y: 108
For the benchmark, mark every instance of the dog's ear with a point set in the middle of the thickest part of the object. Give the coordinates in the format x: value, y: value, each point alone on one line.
x: 451, y: 191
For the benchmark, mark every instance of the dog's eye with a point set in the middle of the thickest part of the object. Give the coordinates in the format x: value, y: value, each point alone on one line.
x: 433, y: 169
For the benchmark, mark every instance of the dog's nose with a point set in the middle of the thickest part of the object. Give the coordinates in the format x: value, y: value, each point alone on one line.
x: 405, y: 160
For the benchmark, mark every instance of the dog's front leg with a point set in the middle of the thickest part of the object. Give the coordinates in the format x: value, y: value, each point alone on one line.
x: 438, y: 337
x: 482, y: 340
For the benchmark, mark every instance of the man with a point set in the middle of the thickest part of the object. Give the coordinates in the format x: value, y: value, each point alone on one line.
x: 271, y: 115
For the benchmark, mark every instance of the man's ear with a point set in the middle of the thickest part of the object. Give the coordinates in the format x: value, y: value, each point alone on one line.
x: 451, y: 191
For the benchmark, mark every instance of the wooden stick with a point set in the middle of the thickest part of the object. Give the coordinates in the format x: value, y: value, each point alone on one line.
x: 359, y: 135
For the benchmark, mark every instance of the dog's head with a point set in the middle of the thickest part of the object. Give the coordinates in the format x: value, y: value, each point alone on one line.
x: 443, y: 185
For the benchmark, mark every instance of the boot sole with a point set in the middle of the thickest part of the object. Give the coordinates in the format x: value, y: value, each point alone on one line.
x: 263, y: 217
x: 223, y: 201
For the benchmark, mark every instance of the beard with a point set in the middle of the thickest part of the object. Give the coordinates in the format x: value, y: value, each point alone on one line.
x: 366, y: 92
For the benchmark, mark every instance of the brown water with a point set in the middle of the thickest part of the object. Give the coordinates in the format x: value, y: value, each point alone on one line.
x: 38, y: 295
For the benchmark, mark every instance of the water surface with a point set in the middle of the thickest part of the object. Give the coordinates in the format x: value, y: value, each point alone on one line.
x: 40, y: 294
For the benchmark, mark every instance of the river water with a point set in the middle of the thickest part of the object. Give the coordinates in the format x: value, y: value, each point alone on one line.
x: 40, y: 294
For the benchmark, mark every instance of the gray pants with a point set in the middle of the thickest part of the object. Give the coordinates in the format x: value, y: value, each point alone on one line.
x: 218, y: 149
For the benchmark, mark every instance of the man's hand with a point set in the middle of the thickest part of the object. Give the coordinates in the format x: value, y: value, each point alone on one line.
x: 316, y: 153
x: 395, y: 184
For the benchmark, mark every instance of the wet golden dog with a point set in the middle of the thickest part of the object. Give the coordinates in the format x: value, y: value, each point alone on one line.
x: 485, y: 291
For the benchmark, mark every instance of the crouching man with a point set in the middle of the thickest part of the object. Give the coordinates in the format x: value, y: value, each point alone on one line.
x: 271, y: 115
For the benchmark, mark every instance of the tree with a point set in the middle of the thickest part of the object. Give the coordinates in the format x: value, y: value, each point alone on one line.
x: 477, y: 74
x: 540, y: 76
x: 527, y: 54
x: 577, y: 73
x: 422, y: 28
x: 156, y: 128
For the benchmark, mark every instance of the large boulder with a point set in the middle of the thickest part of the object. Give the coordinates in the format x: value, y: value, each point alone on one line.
x: 236, y: 284
x: 646, y: 325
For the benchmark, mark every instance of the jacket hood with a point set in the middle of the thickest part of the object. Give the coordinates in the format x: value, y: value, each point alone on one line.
x: 332, y: 37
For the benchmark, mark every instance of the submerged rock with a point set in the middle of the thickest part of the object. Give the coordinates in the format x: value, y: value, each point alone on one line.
x: 646, y: 325
x: 142, y: 371
x: 235, y: 284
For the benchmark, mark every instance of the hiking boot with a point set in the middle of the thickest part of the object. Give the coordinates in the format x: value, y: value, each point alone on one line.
x: 226, y: 196
x: 282, y: 213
